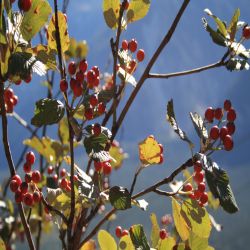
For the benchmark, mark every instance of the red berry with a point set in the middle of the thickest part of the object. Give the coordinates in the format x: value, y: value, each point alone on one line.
x: 107, y: 168
x: 97, y: 81
x: 98, y: 166
x: 231, y: 115
x: 50, y: 170
x: 28, y: 79
x: 63, y: 172
x: 30, y: 158
x: 163, y: 234
x: 101, y: 108
x: 132, y: 66
x: 63, y: 85
x: 24, y: 5
x: 223, y: 132
x: 132, y: 45
x: 230, y: 128
x: 209, y: 114
x: 140, y: 55
x: 118, y: 232
x: 72, y: 68
x: 80, y: 76
x: 28, y: 177
x: 125, y: 232
x: 218, y: 114
x: 18, y: 196
x: 64, y: 183
x: 28, y: 199
x: 198, y: 177
x: 188, y: 187
x: 227, y: 105
x: 24, y: 187
x: 15, y: 100
x: 73, y: 83
x: 246, y: 32
x: 228, y: 143
x: 18, y: 82
x: 8, y: 93
x: 26, y: 167
x: 83, y: 65
x: 191, y: 196
x: 97, y: 129
x: 204, y: 198
x: 37, y: 196
x: 55, y: 177
x: 78, y: 89
x: 17, y: 178
x: 36, y: 176
x: 197, y: 166
x: 68, y: 188
x: 125, y: 4
x: 91, y: 76
x: 125, y: 44
x: 14, y: 186
x: 197, y: 194
x: 76, y: 178
x: 93, y: 100
x: 89, y: 114
x: 202, y: 187
x: 96, y: 70
x: 214, y: 133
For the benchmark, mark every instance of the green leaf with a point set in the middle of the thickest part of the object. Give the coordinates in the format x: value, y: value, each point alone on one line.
x: 179, y: 221
x: 111, y: 10
x: 52, y: 150
x: 155, y: 232
x: 137, y: 10
x: 197, y: 243
x: 232, y: 28
x: 167, y: 244
x: 236, y: 64
x: 120, y: 198
x: 63, y: 30
x: 47, y: 112
x: 197, y: 218
x: 2, y: 245
x: 171, y: 119
x: 35, y: 18
x: 126, y: 243
x: 138, y: 237
x: 106, y: 241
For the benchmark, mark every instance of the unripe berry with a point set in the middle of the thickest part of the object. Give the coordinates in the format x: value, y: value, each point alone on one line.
x: 231, y: 115
x: 93, y: 100
x: 230, y: 128
x: 28, y: 199
x: 26, y: 167
x: 18, y: 196
x: 204, y: 198
x: 198, y: 177
x: 24, y: 187
x: 30, y: 158
x: 24, y: 5
x: 37, y: 196
x: 72, y: 68
x: 89, y: 114
x: 125, y: 44
x: 63, y: 85
x: 132, y: 45
x: 101, y: 108
x: 218, y: 114
x: 17, y: 178
x: 214, y: 133
x: 209, y: 114
x: 228, y: 143
x: 140, y: 55
x: 83, y: 65
x: 118, y: 232
x: 202, y: 187
x: 63, y: 172
x: 246, y: 32
x: 163, y: 234
x: 107, y: 168
x: 197, y: 166
x: 36, y: 176
x: 14, y: 186
x: 98, y: 166
x: 188, y: 187
x: 223, y: 132
x: 97, y: 129
x: 50, y: 170
x: 125, y: 232
x: 227, y: 105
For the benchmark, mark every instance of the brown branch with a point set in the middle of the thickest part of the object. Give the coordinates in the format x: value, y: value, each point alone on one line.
x: 11, y: 164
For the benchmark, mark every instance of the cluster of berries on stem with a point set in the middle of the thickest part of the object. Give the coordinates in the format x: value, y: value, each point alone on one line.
x: 10, y: 100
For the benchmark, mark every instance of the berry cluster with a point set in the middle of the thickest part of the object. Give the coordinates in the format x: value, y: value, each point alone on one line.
x: 119, y: 232
x: 103, y: 166
x: 246, y: 32
x: 95, y: 107
x: 26, y: 191
x: 224, y: 133
x: 131, y: 65
x: 199, y: 192
x: 10, y: 100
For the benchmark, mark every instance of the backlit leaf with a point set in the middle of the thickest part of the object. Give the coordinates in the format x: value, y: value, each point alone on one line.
x: 106, y: 241
x: 89, y: 245
x: 126, y: 243
x: 117, y: 153
x: 166, y: 244
x: 35, y: 18
x: 120, y: 198
x: 232, y: 28
x: 137, y: 10
x: 150, y: 151
x: 155, y: 231
x: 197, y: 243
x: 111, y: 12
x: 2, y: 245
x: 138, y: 237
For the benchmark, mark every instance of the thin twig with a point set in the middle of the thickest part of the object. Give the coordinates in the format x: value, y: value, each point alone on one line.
x: 135, y: 179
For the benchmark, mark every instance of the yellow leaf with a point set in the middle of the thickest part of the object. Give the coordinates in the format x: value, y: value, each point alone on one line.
x: 137, y: 10
x: 166, y: 244
x: 126, y: 243
x: 180, y: 223
x: 106, y: 241
x: 117, y: 153
x: 111, y: 10
x: 150, y: 151
x: 63, y: 30
x: 2, y: 245
x: 89, y: 245
x: 155, y: 230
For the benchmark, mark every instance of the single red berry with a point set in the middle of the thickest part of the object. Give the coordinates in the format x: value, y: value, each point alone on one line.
x: 101, y: 108
x: 204, y: 198
x: 83, y: 65
x: 14, y: 186
x: 227, y: 105
x: 191, y: 196
x: 96, y: 70
x: 73, y: 83
x: 197, y: 194
x: 125, y: 232
x: 91, y: 76
x: 80, y: 76
x: 24, y: 187
x: 197, y: 166
x: 209, y: 114
x: 63, y: 85
x: 30, y: 158
x: 55, y: 177
x: 125, y: 4
x: 107, y: 168
x: 72, y: 68
x: 98, y: 166
x: 64, y: 183
x: 228, y: 143
x: 50, y: 170
x: 198, y: 177
x: 8, y: 93
x: 246, y: 32
x: 188, y: 187
x: 27, y: 167
x: 97, y: 129
x: 218, y: 114
x: 214, y: 133
x: 37, y: 196
x: 18, y: 196
x: 231, y: 128
x: 78, y: 89
x: 140, y: 55
x: 202, y: 187
x: 231, y: 115
x: 68, y: 188
x: 125, y: 44
x: 28, y: 177
x: 15, y: 100
x: 17, y: 178
x: 89, y: 114
x: 24, y: 5
x: 132, y: 45
x: 63, y: 172
x: 36, y: 176
x: 28, y: 79
x: 223, y: 132
x: 118, y: 232
x: 93, y: 100
x: 163, y: 234
x: 97, y: 81
x: 18, y: 82
x: 28, y: 199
